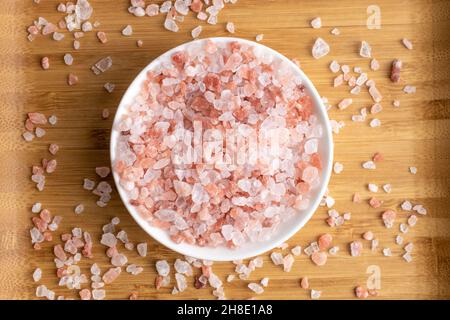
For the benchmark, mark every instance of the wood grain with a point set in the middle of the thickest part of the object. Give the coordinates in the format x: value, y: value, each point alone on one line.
x: 416, y: 134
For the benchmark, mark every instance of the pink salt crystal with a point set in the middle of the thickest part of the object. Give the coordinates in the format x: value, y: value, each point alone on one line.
x: 361, y: 293
x: 230, y: 27
x: 142, y: 249
x: 85, y: 294
x: 389, y: 218
x: 39, y: 132
x: 53, y: 148
x: 316, y: 23
x: 356, y: 248
x: 407, y: 43
x: 345, y: 103
x: 139, y: 43
x: 320, y: 48
x: 319, y: 258
x: 325, y: 241
x: 101, y: 36
x: 111, y: 275
x: 28, y: 136
x: 51, y: 166
x: 375, y: 94
x: 196, y: 32
x: 374, y: 64
x: 72, y: 79
x: 152, y: 10
x: 368, y: 235
x: 395, y: 70
x: 45, y: 63
x: 259, y: 37
x: 304, y: 283
x: 288, y: 262
x: 365, y: 50
x: 102, y: 172
x: 127, y: 31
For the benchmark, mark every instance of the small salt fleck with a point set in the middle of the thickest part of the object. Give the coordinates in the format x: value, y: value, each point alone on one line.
x: 142, y: 249
x: 79, y: 209
x: 413, y: 170
x: 316, y: 23
x: 127, y: 31
x: 375, y: 123
x: 230, y: 27
x: 68, y: 59
x: 256, y: 288
x: 369, y: 165
x: 37, y: 274
x: 409, y: 89
x: 407, y: 43
x: 365, y: 50
x: 372, y: 187
x: 259, y: 37
x: 407, y: 256
x: 335, y: 31
x: 387, y: 252
x: 338, y: 167
x: 320, y: 48
x: 387, y: 188
x: 315, y: 294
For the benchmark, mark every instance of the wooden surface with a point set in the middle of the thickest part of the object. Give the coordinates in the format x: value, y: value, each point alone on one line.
x: 416, y: 134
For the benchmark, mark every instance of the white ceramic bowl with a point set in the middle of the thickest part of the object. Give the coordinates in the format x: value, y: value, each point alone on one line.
x: 286, y: 229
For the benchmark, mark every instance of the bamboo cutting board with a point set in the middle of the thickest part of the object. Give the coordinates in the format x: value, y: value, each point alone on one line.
x: 416, y: 134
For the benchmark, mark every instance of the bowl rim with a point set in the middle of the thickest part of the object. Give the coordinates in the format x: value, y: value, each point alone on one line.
x: 232, y: 254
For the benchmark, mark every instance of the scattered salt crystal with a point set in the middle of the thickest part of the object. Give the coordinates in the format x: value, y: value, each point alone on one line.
x: 334, y: 66
x: 142, y: 249
x: 406, y: 205
x: 259, y: 37
x: 296, y: 251
x: 102, y: 172
x: 315, y: 294
x: 335, y: 31
x: 162, y: 267
x: 316, y: 23
x: 399, y: 240
x: 338, y: 167
x: 369, y: 165
x: 345, y: 103
x: 256, y: 288
x: 36, y: 208
x: 365, y: 51
x: 375, y: 123
x: 374, y: 64
x: 372, y: 187
x: 320, y: 48
x: 127, y: 31
x: 409, y: 247
x: 79, y: 209
x: 413, y: 170
x: 230, y: 27
x: 387, y: 188
x: 407, y: 256
x: 196, y: 32
x: 356, y: 248
x: 387, y: 252
x: 407, y: 43
x: 37, y: 274
x: 409, y: 89
x: 68, y: 59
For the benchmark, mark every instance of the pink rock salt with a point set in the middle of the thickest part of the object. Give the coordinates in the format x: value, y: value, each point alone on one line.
x: 210, y: 193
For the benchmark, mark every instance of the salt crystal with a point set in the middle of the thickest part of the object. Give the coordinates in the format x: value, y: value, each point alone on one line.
x: 127, y: 31
x: 316, y: 23
x: 320, y: 48
x: 365, y: 51
x: 407, y: 43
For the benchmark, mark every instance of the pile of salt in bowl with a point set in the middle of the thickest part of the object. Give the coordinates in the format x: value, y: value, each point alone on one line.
x: 221, y: 191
